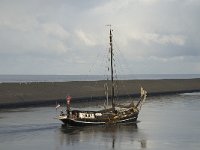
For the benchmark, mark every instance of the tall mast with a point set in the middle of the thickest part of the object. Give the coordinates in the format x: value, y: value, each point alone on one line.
x: 111, y: 65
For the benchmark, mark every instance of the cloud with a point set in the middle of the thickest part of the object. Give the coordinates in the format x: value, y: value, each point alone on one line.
x: 148, y: 38
x: 23, y: 33
x: 149, y: 33
x: 56, y: 30
x: 86, y: 38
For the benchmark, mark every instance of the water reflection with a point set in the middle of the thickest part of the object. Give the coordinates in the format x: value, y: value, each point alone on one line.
x: 102, y: 137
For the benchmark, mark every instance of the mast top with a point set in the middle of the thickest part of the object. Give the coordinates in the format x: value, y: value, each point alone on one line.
x: 109, y: 25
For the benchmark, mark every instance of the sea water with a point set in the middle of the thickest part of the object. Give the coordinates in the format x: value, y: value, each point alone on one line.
x: 66, y: 78
x: 165, y: 122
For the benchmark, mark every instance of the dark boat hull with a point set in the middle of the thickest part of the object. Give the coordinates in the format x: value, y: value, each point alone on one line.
x: 76, y: 122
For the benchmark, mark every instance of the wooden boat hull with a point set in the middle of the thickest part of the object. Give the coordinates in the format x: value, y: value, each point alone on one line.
x: 83, y: 122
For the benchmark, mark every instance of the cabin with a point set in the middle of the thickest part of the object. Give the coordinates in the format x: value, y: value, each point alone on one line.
x: 85, y: 115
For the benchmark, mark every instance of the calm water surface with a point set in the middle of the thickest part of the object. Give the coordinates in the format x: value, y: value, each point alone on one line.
x: 168, y: 122
x: 65, y: 78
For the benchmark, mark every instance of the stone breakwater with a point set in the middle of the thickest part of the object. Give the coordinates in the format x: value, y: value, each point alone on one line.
x: 46, y: 93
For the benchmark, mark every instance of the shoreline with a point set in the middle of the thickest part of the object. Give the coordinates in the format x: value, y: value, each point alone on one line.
x: 34, y: 94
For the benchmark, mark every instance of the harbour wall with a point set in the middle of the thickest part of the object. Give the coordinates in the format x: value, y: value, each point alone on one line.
x: 13, y: 95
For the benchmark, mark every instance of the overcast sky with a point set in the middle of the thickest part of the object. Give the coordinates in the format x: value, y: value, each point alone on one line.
x: 70, y: 36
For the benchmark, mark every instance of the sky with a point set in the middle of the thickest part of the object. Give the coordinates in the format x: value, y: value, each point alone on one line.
x: 66, y: 37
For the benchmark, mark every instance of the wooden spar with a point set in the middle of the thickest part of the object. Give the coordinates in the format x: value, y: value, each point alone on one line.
x: 111, y: 65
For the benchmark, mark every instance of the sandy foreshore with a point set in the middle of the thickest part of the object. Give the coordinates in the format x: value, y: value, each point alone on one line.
x: 45, y: 93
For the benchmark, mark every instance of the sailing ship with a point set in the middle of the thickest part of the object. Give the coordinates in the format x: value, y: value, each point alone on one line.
x: 113, y: 115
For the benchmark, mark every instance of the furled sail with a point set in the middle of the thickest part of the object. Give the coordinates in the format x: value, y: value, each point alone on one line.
x: 142, y: 98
